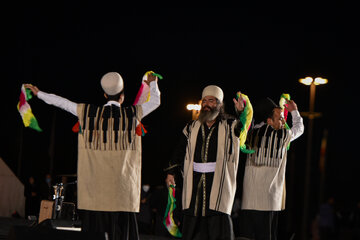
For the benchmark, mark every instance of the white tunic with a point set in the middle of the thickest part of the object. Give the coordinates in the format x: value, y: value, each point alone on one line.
x: 109, y: 160
x: 264, y: 177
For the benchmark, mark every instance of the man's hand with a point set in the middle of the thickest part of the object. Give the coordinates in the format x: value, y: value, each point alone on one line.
x: 290, y: 105
x: 170, y: 180
x: 239, y: 103
x: 150, y: 78
x: 34, y: 89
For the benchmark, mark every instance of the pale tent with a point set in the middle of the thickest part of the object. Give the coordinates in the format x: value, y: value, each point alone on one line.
x: 12, y: 197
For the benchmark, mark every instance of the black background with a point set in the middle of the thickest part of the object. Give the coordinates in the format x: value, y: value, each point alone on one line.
x: 261, y: 51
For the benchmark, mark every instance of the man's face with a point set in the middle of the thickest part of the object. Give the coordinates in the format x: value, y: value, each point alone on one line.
x: 208, y: 103
x: 277, y: 121
x: 209, y: 109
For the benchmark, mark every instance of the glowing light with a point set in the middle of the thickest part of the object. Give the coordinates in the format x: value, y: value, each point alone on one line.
x: 316, y: 81
x: 196, y: 107
x: 306, y: 81
x: 320, y: 80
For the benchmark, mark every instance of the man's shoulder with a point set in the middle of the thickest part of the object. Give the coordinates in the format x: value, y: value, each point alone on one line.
x: 189, y: 126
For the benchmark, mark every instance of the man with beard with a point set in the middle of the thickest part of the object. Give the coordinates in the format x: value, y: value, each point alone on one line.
x: 208, y: 153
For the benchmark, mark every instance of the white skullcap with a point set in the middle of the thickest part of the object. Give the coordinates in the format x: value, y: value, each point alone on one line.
x: 112, y: 83
x: 214, y: 91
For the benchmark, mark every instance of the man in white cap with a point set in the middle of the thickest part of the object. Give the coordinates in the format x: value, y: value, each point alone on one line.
x: 109, y: 156
x: 208, y: 153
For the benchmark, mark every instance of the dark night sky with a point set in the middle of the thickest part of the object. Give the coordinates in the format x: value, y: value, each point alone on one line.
x: 262, y: 52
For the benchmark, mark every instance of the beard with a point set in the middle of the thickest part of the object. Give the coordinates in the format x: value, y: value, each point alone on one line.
x: 208, y: 113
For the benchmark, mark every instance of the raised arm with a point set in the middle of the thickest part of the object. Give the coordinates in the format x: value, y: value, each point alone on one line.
x: 297, y: 128
x: 239, y: 108
x: 154, y: 101
x: 54, y: 100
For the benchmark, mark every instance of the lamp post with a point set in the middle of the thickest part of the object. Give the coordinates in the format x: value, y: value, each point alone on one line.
x: 311, y: 115
x: 195, y: 108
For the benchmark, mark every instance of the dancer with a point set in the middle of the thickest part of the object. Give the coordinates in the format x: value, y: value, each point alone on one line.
x: 109, y: 156
x: 264, y: 177
x: 208, y: 154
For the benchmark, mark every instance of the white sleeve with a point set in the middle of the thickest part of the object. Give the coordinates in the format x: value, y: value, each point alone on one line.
x: 154, y: 101
x: 59, y: 102
x: 297, y: 125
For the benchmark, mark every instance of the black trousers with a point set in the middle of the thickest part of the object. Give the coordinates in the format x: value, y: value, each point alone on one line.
x: 118, y: 225
x: 259, y: 225
x: 212, y: 227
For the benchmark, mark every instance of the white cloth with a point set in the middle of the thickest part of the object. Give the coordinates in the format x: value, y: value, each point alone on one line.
x: 113, y: 103
x: 71, y: 107
x: 204, y: 167
x: 58, y: 101
x: 154, y: 101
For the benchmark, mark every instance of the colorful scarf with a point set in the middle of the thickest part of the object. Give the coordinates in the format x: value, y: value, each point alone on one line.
x: 24, y: 109
x: 245, y: 118
x: 168, y: 217
x: 143, y: 96
x: 283, y: 99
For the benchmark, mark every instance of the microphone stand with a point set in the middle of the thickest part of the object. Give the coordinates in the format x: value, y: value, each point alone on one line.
x: 58, y: 198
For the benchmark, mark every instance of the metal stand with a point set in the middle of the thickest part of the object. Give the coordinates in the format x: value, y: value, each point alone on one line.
x: 58, y: 197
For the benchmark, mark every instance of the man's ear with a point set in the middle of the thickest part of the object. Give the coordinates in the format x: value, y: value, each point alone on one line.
x: 122, y: 97
x: 269, y: 121
x: 105, y: 95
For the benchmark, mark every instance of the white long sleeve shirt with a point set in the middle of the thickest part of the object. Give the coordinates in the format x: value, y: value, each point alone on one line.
x: 297, y: 128
x: 71, y: 107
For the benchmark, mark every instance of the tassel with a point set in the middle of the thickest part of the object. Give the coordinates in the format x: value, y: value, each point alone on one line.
x: 140, y: 130
x: 76, y: 128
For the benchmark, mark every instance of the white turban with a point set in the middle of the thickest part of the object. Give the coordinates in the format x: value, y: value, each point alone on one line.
x: 214, y: 91
x: 112, y: 83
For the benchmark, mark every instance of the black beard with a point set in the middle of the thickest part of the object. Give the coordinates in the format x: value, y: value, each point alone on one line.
x: 210, y: 115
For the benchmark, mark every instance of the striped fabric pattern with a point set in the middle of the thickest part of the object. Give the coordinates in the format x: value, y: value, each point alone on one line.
x: 268, y: 145
x: 109, y: 127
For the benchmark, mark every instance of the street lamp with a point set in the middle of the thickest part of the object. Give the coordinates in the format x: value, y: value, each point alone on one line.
x: 195, y: 108
x: 310, y: 80
x: 310, y: 115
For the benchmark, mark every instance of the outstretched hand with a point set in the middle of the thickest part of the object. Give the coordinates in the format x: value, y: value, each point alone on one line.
x: 290, y: 105
x: 150, y: 78
x: 33, y: 89
x: 239, y: 103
